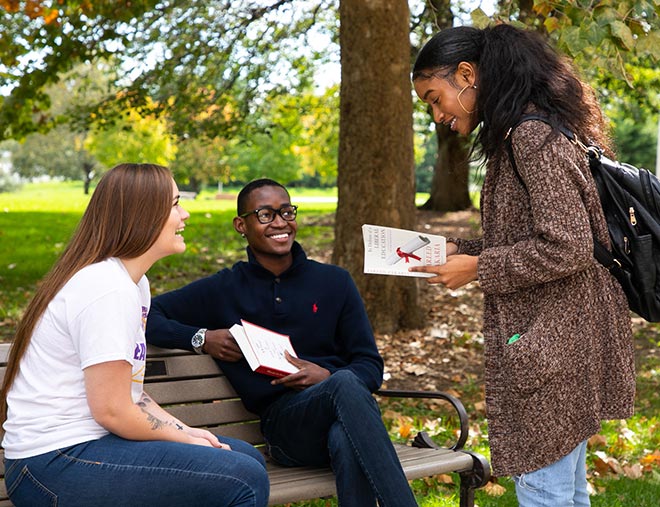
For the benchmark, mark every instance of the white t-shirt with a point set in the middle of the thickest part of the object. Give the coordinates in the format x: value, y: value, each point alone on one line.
x: 98, y: 316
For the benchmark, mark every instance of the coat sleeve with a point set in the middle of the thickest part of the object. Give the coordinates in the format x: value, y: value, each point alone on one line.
x: 561, y: 241
x: 468, y: 246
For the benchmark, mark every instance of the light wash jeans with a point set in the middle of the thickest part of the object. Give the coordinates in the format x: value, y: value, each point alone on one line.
x: 561, y: 484
x: 114, y: 472
x: 338, y: 422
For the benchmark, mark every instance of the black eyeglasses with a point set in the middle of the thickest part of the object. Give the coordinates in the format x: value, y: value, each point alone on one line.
x: 267, y: 215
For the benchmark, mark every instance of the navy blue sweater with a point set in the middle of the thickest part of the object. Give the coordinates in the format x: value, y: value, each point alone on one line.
x: 316, y: 304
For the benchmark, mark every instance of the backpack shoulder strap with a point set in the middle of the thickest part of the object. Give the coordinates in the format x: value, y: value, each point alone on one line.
x: 527, y: 117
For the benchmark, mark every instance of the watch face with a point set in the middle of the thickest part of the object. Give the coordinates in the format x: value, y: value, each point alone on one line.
x: 198, y: 339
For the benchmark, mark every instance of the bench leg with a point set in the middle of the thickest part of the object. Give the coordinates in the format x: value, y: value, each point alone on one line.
x: 472, y: 479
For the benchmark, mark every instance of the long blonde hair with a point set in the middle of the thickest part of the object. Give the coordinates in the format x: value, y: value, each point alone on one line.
x: 125, y: 216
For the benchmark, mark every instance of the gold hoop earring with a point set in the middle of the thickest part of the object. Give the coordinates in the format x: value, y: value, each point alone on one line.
x: 458, y: 98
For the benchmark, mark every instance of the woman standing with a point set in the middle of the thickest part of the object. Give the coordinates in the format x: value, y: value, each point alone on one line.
x: 559, y: 356
x: 79, y: 429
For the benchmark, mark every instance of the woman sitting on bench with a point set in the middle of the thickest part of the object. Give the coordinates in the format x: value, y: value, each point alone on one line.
x: 79, y: 429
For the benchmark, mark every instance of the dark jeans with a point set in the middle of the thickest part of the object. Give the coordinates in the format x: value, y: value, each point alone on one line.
x: 338, y: 422
x: 113, y: 472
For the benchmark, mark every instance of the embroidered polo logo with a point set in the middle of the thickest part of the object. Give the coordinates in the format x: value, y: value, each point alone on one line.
x: 315, y: 308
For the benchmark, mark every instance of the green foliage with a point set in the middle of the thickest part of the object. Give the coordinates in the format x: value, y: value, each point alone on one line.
x: 603, y: 38
x: 136, y: 138
x: 42, y: 40
x: 57, y: 153
x: 208, y: 65
x: 295, y: 135
x: 199, y: 161
x: 426, y: 151
x: 636, y: 141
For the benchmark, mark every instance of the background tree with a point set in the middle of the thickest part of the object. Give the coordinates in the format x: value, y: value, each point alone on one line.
x: 135, y: 138
x: 59, y: 153
x: 375, y: 179
x: 295, y: 135
x: 185, y: 56
x: 449, y: 190
x: 199, y: 161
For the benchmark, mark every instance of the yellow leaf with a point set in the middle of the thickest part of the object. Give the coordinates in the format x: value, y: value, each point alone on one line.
x: 404, y: 428
x: 651, y: 459
x: 543, y: 8
x: 50, y: 16
x: 551, y: 24
x: 444, y: 479
x: 494, y: 489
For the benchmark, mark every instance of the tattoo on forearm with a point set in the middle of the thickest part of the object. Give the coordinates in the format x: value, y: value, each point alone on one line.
x: 155, y: 422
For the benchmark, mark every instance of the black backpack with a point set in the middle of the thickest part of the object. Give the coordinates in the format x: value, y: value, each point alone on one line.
x: 631, y: 202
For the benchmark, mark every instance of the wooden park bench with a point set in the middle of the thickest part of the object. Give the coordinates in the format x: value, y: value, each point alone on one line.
x: 193, y: 388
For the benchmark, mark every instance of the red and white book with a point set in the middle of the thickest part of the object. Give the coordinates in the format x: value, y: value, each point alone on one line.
x: 390, y: 251
x: 264, y: 349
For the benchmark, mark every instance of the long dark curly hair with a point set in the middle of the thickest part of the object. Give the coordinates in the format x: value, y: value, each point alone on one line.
x: 517, y: 70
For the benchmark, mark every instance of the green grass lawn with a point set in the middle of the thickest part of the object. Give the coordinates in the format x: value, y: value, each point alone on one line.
x: 37, y: 221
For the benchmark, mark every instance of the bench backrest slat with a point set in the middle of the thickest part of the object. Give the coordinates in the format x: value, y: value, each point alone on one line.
x: 160, y: 367
x: 190, y: 391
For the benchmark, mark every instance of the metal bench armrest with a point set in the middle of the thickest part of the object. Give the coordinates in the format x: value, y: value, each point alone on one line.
x: 423, y: 439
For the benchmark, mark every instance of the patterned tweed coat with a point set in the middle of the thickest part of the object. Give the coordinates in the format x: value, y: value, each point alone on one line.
x: 574, y: 364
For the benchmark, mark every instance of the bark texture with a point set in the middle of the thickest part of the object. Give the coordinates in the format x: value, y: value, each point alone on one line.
x: 376, y: 166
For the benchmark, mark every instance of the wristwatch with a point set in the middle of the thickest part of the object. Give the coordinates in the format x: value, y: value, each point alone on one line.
x: 198, y: 340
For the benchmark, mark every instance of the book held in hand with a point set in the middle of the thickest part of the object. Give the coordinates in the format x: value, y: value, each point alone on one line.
x: 264, y: 349
x: 390, y: 251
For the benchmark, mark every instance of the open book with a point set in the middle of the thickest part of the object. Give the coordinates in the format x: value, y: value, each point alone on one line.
x: 390, y: 251
x: 264, y: 349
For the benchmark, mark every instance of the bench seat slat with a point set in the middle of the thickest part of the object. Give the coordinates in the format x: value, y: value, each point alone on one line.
x: 292, y: 484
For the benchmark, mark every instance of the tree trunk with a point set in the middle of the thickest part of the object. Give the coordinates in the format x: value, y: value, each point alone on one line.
x: 376, y: 166
x: 450, y: 184
x: 88, y: 174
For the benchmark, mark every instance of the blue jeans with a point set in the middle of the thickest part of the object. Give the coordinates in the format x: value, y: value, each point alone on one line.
x: 115, y: 472
x: 561, y: 484
x: 338, y: 422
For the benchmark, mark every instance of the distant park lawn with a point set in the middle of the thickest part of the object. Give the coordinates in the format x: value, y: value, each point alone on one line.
x: 37, y: 221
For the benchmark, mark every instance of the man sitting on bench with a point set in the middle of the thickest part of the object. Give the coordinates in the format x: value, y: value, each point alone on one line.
x: 325, y: 413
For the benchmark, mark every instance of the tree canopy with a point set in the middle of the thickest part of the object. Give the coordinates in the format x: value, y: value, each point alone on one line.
x: 189, y: 58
